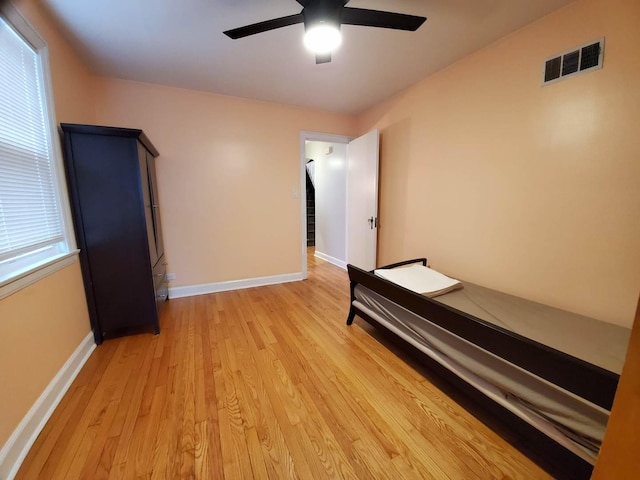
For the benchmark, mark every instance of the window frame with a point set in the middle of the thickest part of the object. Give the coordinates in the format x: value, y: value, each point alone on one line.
x: 25, y: 275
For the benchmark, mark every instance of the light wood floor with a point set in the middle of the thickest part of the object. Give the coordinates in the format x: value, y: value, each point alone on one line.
x: 266, y: 382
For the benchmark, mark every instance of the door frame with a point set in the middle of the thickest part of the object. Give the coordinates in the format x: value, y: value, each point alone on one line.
x: 306, y: 136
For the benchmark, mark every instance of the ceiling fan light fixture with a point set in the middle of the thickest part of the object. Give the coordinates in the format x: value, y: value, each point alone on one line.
x: 322, y: 38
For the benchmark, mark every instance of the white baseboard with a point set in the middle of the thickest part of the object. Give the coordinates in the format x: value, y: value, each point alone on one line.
x: 204, y: 288
x: 25, y: 434
x: 323, y: 256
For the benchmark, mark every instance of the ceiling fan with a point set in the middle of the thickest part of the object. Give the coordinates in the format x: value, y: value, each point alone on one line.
x: 322, y: 20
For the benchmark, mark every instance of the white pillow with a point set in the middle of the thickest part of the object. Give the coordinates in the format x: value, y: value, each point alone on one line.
x: 420, y: 279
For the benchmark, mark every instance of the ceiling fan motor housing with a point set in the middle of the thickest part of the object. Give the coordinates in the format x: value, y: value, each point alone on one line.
x: 323, y: 12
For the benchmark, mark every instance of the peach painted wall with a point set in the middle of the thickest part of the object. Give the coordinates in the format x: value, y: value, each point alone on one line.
x: 41, y: 327
x: 527, y: 189
x: 227, y: 173
x: 43, y: 324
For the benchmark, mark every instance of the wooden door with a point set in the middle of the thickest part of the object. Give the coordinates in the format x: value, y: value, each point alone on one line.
x: 362, y: 200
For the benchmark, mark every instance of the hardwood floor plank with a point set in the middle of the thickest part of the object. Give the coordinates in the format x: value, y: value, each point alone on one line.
x: 277, y: 458
x: 334, y: 458
x: 266, y: 383
x: 210, y: 393
x: 145, y: 460
x: 290, y: 434
x: 235, y: 454
x: 80, y: 455
x: 95, y: 455
x: 133, y: 425
x: 258, y: 467
x: 187, y: 374
x: 106, y: 459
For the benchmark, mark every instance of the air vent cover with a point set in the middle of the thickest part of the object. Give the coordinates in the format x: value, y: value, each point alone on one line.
x: 573, y: 62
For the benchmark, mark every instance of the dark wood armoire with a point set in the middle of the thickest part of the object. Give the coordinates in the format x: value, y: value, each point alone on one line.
x: 112, y: 187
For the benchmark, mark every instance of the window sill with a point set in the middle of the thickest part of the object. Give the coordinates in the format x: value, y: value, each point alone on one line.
x: 36, y: 273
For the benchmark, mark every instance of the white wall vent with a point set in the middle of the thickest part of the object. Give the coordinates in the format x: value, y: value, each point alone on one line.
x: 573, y: 62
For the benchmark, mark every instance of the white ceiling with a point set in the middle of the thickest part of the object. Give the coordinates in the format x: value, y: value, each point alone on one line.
x: 180, y: 43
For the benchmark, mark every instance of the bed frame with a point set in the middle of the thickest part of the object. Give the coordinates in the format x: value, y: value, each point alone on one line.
x: 588, y: 381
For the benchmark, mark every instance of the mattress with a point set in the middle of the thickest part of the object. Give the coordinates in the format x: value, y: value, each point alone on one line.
x: 573, y: 422
x: 599, y: 343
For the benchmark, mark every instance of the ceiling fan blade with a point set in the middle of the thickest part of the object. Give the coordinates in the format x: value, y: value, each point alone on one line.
x: 264, y: 26
x: 323, y: 58
x: 377, y: 18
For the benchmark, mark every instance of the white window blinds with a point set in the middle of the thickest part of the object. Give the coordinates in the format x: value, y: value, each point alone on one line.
x: 30, y: 215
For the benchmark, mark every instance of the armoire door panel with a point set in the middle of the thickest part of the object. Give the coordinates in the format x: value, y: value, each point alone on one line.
x: 155, y: 202
x: 148, y: 203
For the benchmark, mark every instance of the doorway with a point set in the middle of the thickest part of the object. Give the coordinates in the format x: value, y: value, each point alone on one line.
x: 322, y: 142
x: 351, y: 170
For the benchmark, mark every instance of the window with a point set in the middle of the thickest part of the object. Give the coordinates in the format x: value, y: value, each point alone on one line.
x: 33, y: 220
